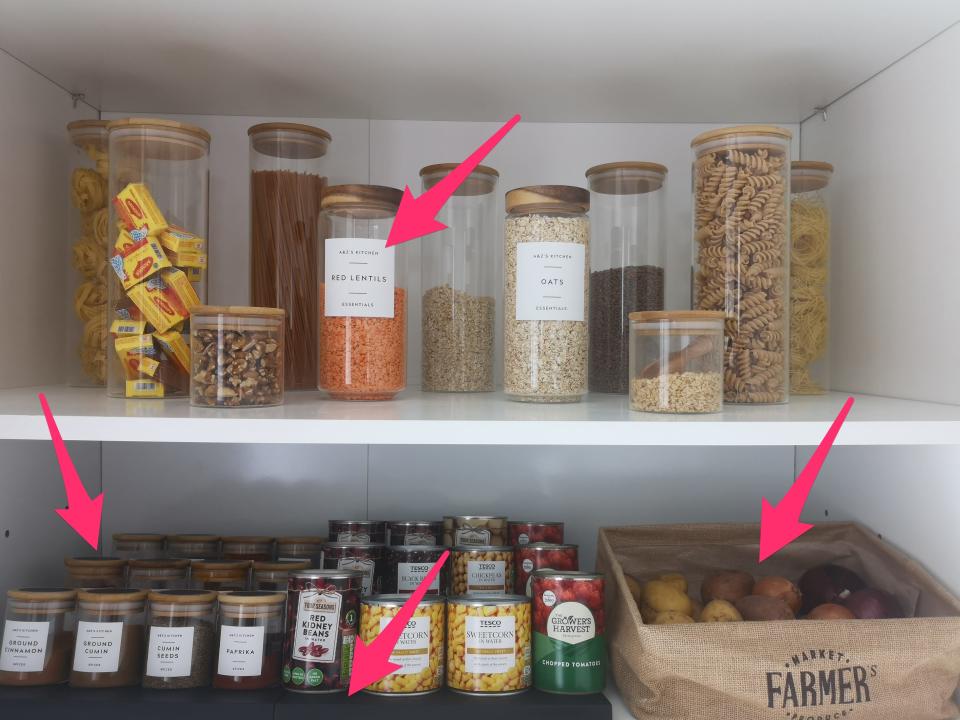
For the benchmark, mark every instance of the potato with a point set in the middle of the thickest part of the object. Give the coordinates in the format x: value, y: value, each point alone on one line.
x: 761, y: 607
x: 676, y: 579
x: 729, y: 585
x: 720, y: 611
x: 780, y: 587
x: 647, y: 613
x: 662, y: 596
x: 636, y: 589
x: 671, y: 617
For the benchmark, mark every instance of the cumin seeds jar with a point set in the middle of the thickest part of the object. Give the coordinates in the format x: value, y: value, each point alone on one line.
x: 180, y: 639
x: 488, y: 645
x: 38, y: 632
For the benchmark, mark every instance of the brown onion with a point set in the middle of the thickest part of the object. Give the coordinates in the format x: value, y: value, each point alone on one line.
x: 779, y: 587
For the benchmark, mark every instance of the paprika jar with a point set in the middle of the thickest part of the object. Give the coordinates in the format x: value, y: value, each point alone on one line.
x: 482, y: 570
x: 128, y: 546
x: 273, y: 575
x: 247, y: 547
x: 358, y: 531
x: 38, y: 633
x: 219, y: 575
x: 96, y: 572
x: 521, y: 532
x: 109, y: 648
x: 180, y: 636
x: 488, y: 645
x: 542, y: 556
x: 194, y: 547
x: 302, y: 547
x: 159, y: 574
x: 407, y: 565
x: 250, y: 641
x: 366, y: 558
x: 363, y: 296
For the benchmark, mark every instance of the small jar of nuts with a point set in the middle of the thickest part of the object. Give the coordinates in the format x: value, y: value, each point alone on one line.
x: 236, y: 356
x: 483, y: 570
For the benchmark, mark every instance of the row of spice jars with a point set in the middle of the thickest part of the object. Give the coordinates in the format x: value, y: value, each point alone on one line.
x: 130, y: 546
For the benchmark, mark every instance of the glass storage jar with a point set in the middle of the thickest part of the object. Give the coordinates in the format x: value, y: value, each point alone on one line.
x: 194, y: 547
x: 236, y: 356
x: 363, y: 300
x: 158, y: 574
x: 180, y: 638
x: 302, y: 547
x: 138, y: 545
x: 96, y: 572
x: 159, y: 187
x: 286, y: 183
x: 219, y: 575
x: 273, y: 574
x: 109, y: 649
x: 676, y: 361
x: 809, y: 277
x: 250, y: 640
x: 546, y: 274
x: 458, y: 271
x: 627, y: 261
x: 741, y: 187
x: 38, y: 633
x: 246, y: 547
x: 87, y: 231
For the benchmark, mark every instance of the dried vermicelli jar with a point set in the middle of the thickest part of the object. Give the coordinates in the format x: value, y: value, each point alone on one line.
x: 274, y: 575
x: 546, y: 281
x: 420, y: 649
x: 129, y: 546
x: 38, y: 633
x: 809, y: 277
x: 741, y: 190
x: 219, y: 575
x: 109, y: 649
x: 488, y: 645
x: 158, y: 573
x: 250, y: 641
x: 96, y: 572
x: 180, y: 639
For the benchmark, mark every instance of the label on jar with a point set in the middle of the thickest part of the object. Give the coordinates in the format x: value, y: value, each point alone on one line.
x: 550, y: 281
x: 24, y: 646
x: 241, y: 651
x: 359, y: 278
x: 486, y: 576
x: 169, y: 652
x: 490, y: 644
x: 410, y: 575
x: 318, y: 627
x: 364, y: 565
x: 412, y: 651
x: 98, y: 647
x: 472, y: 536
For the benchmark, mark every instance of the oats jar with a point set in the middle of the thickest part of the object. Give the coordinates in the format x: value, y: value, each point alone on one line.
x: 38, y: 634
x: 488, y: 645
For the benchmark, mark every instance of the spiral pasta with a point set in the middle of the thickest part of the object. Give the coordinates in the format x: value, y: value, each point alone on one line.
x: 810, y: 249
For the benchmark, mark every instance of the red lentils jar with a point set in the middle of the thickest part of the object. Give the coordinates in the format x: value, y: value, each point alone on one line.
x: 542, y: 556
x: 523, y: 532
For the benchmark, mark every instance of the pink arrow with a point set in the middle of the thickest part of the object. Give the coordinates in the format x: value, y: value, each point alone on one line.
x: 780, y: 525
x: 416, y: 216
x: 372, y: 662
x: 82, y: 513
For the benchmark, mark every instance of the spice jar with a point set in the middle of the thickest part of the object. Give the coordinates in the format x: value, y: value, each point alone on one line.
x: 88, y: 225
x: 180, y: 635
x: 128, y: 546
x: 367, y: 559
x: 286, y: 183
x: 363, y: 299
x: 522, y: 532
x: 96, y: 572
x: 415, y: 532
x: 323, y: 612
x: 219, y: 575
x: 742, y: 256
x: 406, y: 566
x: 158, y: 574
x: 236, y: 356
x: 420, y: 649
x: 274, y: 575
x: 247, y: 547
x: 38, y: 634
x: 809, y: 277
x: 159, y: 193
x: 676, y: 361
x: 627, y: 260
x: 475, y: 530
x: 458, y: 271
x: 250, y: 642
x: 193, y: 547
x: 482, y: 570
x: 542, y: 556
x: 302, y: 547
x: 358, y: 531
x: 488, y: 645
x: 109, y: 647
x: 546, y: 270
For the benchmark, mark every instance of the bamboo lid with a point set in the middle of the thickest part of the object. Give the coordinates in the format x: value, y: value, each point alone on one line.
x: 159, y: 124
x: 193, y: 538
x: 157, y: 139
x: 809, y: 175
x: 249, y: 539
x: 94, y: 563
x: 302, y: 540
x: 676, y: 315
x: 292, y: 141
x: 182, y: 597
x: 630, y: 177
x: 216, y: 566
x: 110, y: 595
x: 771, y: 131
x: 160, y: 564
x: 280, y: 565
x: 563, y: 198
x: 482, y: 181
x: 365, y: 201
x: 88, y: 132
x: 138, y: 537
x: 251, y: 597
x: 236, y: 311
x: 87, y: 124
x: 42, y: 594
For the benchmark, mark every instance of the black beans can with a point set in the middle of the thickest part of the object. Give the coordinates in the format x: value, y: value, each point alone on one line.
x: 408, y: 565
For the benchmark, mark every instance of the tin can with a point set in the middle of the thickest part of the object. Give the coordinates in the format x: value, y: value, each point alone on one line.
x: 362, y: 532
x: 569, y: 645
x: 368, y: 559
x: 414, y: 532
x: 405, y: 567
x: 323, y: 611
x: 542, y: 556
x: 420, y: 649
x: 482, y: 570
x: 475, y: 530
x: 523, y: 532
x: 488, y: 645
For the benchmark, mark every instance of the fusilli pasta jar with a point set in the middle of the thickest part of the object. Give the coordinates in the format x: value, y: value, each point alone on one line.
x: 741, y: 230
x: 809, y: 277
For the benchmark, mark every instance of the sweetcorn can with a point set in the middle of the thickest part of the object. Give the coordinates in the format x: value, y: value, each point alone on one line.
x: 488, y: 645
x: 419, y: 651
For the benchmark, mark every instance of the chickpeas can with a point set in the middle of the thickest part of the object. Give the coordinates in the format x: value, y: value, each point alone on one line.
x: 420, y: 649
x: 482, y: 570
x: 569, y: 644
x: 479, y: 530
x: 488, y: 645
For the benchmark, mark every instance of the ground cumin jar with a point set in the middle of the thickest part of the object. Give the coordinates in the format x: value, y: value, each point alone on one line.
x: 358, y: 531
x: 274, y: 575
x: 414, y: 532
x: 301, y: 547
x: 368, y: 559
x: 38, y: 632
x: 323, y: 612
x: 407, y: 565
x: 250, y: 642
x: 247, y: 547
x: 138, y: 545
x: 419, y: 651
x: 180, y: 639
x: 488, y: 645
x: 482, y: 570
x: 219, y: 575
x: 542, y: 556
x: 521, y: 532
x: 109, y: 647
x: 96, y: 572
x: 193, y: 547
x: 158, y: 574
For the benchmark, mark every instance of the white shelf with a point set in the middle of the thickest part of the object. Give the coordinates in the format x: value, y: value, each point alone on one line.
x: 416, y: 418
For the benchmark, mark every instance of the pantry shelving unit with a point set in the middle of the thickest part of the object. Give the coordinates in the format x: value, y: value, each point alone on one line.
x: 403, y: 85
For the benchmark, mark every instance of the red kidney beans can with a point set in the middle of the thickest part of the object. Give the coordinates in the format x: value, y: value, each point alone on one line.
x: 569, y: 643
x: 542, y: 556
x: 361, y: 532
x: 323, y: 611
x: 523, y: 532
x: 407, y: 565
x: 368, y: 559
x: 415, y: 532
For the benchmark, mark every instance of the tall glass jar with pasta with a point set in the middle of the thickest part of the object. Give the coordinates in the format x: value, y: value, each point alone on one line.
x: 286, y: 182
x: 159, y: 192
x: 809, y: 277
x: 741, y: 245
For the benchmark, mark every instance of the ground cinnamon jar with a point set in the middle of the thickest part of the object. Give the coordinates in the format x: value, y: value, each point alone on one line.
x: 38, y: 633
x: 220, y: 575
x: 96, y: 572
x: 109, y: 647
x: 250, y: 640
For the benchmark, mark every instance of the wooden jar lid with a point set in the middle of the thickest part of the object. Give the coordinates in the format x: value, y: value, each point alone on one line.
x: 159, y: 139
x: 160, y: 564
x: 138, y: 537
x: 562, y: 198
x: 363, y: 201
x: 42, y: 594
x: 482, y: 181
x: 182, y: 597
x: 676, y: 315
x: 809, y: 175
x: 629, y: 177
x: 107, y: 596
x: 292, y: 141
x: 280, y: 565
x: 771, y: 131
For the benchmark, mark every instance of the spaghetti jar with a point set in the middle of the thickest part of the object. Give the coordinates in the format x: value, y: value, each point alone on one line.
x: 415, y: 532
x: 488, y: 645
x: 482, y: 570
x: 323, y: 612
x: 546, y: 272
x: 129, y: 546
x: 741, y: 187
x: 38, y: 633
x: 250, y: 641
x: 180, y: 636
x: 159, y: 192
x: 475, y: 530
x: 522, y: 532
x: 87, y: 232
x: 358, y: 531
x: 193, y: 547
x: 406, y: 566
x: 247, y: 547
x: 542, y: 556
x: 458, y: 273
x: 109, y: 649
x: 274, y: 575
x: 363, y: 297
x: 419, y: 651
x: 809, y: 277
x: 96, y: 572
x: 364, y: 558
x: 219, y: 575
x: 158, y: 574
x: 302, y: 547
